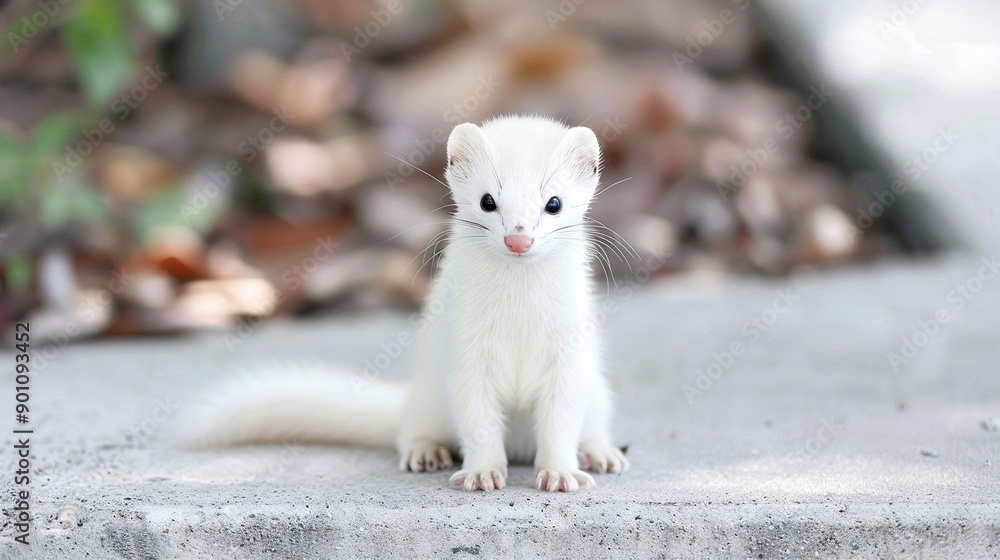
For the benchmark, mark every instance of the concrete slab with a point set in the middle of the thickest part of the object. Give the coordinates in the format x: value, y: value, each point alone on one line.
x: 807, y: 442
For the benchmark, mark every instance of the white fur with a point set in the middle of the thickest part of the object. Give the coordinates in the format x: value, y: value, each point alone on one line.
x: 303, y: 404
x: 509, y: 368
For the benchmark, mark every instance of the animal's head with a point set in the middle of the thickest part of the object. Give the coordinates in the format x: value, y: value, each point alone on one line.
x: 522, y: 186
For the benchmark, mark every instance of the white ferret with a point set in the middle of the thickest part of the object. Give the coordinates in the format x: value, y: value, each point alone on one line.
x: 508, y: 366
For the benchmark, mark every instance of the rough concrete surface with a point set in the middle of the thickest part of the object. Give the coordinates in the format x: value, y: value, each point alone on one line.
x: 807, y: 444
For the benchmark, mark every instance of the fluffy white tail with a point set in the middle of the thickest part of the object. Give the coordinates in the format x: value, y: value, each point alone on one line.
x: 304, y: 405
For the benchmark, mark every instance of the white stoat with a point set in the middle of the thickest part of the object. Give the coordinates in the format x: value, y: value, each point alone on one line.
x: 508, y: 367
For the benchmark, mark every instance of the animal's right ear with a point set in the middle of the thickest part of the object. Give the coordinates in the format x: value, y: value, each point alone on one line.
x: 466, y: 144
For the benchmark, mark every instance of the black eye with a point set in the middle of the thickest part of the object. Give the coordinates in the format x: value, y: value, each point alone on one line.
x: 554, y: 205
x: 487, y: 203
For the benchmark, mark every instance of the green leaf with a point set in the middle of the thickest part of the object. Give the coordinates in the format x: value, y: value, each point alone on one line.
x: 9, y: 145
x: 63, y: 204
x: 161, y: 16
x: 52, y: 134
x: 172, y: 207
x: 97, y: 37
x: 18, y: 274
x: 13, y: 163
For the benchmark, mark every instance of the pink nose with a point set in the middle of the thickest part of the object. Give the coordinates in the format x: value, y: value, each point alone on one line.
x: 518, y: 243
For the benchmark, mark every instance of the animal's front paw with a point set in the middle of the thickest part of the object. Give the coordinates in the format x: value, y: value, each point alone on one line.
x: 602, y: 458
x: 424, y: 456
x: 552, y: 480
x: 485, y: 480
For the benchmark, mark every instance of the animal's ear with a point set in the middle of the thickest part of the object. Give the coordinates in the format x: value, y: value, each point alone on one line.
x: 579, y: 152
x: 465, y: 144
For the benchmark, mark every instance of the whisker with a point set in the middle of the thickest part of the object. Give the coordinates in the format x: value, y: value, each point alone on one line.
x: 604, y: 243
x: 611, y: 242
x: 608, y: 274
x: 437, y: 253
x: 434, y: 241
x: 605, y: 189
x: 602, y: 240
x: 446, y: 239
x: 545, y: 181
x: 412, y: 228
x: 629, y: 245
x: 440, y: 182
x: 417, y: 273
x: 421, y: 225
x: 596, y: 253
x: 442, y: 207
x: 486, y: 247
x: 469, y: 222
x: 617, y: 252
x: 596, y: 235
x: 496, y: 176
x: 589, y: 255
x: 570, y: 226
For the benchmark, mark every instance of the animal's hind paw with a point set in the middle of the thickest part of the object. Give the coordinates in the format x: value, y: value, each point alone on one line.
x: 425, y: 456
x: 486, y: 480
x: 602, y: 458
x: 555, y: 481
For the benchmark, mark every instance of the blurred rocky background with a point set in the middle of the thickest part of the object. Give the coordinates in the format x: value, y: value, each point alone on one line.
x: 173, y: 165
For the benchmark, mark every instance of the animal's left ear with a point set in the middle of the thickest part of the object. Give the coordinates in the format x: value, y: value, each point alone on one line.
x: 579, y: 153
